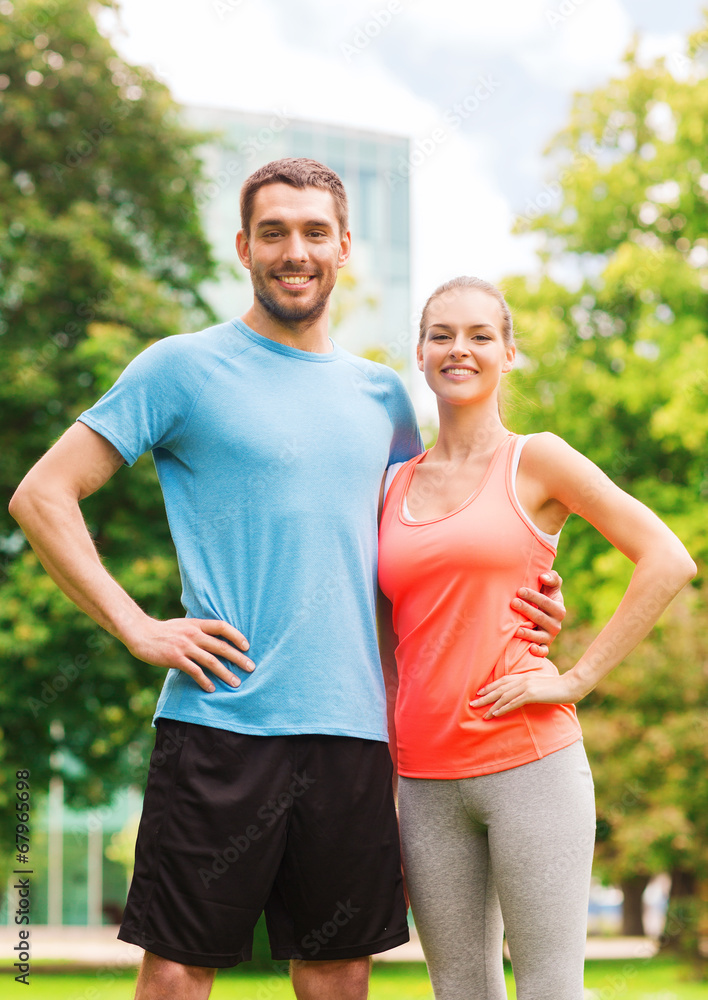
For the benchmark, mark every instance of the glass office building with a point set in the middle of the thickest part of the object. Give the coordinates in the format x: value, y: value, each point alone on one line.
x: 371, y: 306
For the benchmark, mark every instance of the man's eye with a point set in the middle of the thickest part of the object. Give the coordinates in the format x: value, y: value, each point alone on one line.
x: 317, y: 233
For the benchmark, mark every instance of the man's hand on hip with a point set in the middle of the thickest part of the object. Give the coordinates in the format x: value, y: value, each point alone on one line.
x: 190, y: 644
x: 545, y: 609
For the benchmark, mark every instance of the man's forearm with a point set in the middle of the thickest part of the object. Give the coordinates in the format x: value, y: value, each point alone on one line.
x: 57, y: 532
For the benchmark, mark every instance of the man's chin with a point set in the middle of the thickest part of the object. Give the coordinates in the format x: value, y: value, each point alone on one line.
x: 292, y: 314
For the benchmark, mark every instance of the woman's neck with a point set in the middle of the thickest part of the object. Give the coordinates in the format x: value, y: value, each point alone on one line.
x: 467, y: 431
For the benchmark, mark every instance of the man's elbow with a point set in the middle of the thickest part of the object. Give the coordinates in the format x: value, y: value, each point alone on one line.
x: 21, y: 503
x: 32, y: 501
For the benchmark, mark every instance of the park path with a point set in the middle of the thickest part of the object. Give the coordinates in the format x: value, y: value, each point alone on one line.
x: 98, y: 946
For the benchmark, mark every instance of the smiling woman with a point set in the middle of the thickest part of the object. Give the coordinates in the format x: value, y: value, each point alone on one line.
x: 496, y: 797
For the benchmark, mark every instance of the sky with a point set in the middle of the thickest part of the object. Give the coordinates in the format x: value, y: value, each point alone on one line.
x: 479, y: 87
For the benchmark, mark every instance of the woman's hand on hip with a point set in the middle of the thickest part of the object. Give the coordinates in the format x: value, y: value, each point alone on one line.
x: 532, y: 687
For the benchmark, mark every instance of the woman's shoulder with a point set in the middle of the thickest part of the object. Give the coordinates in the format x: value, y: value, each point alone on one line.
x: 559, y: 469
x: 544, y: 446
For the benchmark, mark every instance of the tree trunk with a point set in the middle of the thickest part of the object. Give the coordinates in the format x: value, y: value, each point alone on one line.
x: 680, y: 931
x: 633, y: 907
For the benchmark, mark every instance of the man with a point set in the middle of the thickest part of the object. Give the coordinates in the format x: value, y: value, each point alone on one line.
x: 270, y: 443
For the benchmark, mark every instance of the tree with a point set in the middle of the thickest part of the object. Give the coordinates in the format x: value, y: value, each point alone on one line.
x: 616, y: 362
x: 101, y: 253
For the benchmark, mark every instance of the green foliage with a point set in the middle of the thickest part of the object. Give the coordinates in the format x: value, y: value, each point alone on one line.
x: 101, y: 250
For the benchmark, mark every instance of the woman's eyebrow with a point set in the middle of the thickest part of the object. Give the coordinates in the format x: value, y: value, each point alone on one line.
x: 471, y: 326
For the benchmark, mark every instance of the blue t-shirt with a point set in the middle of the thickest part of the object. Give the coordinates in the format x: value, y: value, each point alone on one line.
x: 270, y: 460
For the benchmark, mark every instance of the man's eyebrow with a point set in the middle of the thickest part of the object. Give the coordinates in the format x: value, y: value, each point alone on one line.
x: 309, y: 224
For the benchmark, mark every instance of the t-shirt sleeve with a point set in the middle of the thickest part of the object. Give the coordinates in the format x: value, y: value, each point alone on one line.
x: 406, y: 441
x: 148, y: 405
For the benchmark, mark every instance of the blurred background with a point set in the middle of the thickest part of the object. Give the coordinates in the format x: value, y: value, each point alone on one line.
x: 555, y: 146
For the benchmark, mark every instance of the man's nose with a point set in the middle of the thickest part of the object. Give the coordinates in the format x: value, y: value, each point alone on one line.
x: 295, y: 248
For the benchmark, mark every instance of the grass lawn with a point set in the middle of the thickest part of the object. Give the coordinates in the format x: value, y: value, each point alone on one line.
x: 641, y: 979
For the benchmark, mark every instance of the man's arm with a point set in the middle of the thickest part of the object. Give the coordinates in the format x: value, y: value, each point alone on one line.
x: 46, y: 506
x: 387, y: 648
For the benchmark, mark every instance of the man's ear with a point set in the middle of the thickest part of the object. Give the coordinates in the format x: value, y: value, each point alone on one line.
x: 345, y: 248
x: 243, y: 249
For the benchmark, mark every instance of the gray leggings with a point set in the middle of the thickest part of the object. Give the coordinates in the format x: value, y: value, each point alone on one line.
x: 510, y: 852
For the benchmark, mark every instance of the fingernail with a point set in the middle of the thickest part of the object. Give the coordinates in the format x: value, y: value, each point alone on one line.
x: 250, y: 664
x: 234, y: 681
x: 211, y: 688
x: 244, y: 644
x: 516, y: 603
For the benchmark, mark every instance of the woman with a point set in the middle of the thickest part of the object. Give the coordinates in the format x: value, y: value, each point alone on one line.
x: 495, y: 795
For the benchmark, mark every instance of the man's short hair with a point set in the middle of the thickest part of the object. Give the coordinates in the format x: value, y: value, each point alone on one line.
x: 299, y: 172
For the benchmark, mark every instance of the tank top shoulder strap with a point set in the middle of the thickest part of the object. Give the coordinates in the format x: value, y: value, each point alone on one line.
x: 496, y: 476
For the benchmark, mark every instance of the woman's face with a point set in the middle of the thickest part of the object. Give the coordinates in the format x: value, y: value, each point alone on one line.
x: 463, y: 353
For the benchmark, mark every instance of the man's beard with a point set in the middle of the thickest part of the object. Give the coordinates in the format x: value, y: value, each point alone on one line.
x: 289, y: 313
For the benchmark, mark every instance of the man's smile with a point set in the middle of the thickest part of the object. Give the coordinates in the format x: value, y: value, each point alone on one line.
x: 294, y: 279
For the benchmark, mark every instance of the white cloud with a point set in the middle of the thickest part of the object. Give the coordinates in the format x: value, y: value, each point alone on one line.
x: 461, y: 22
x: 241, y: 60
x: 580, y: 48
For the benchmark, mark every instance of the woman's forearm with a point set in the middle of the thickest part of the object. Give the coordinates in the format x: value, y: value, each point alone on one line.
x: 655, y: 582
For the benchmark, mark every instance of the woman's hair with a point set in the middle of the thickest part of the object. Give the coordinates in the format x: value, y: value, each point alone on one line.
x: 465, y: 281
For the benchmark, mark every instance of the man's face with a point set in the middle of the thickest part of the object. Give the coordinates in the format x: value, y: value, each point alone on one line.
x: 293, y: 250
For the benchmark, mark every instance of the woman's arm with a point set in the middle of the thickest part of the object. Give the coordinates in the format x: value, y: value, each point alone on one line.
x: 662, y: 567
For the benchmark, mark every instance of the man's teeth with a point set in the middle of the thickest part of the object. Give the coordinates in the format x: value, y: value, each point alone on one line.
x: 296, y: 279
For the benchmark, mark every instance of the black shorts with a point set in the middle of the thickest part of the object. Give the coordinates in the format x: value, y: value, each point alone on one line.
x: 303, y: 827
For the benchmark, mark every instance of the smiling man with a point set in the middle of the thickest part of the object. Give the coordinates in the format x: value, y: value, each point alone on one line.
x: 270, y: 787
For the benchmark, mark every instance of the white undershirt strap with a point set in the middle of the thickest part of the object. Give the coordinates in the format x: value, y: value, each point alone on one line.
x: 390, y: 474
x: 518, y: 446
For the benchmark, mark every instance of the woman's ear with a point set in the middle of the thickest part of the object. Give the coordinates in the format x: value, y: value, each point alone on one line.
x: 510, y: 355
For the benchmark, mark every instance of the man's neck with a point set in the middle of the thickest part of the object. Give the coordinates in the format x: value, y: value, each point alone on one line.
x: 305, y: 336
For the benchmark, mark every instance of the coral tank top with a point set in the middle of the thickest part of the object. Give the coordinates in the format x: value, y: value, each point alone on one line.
x: 451, y: 581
